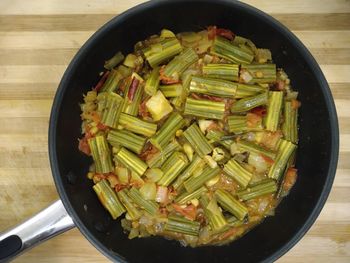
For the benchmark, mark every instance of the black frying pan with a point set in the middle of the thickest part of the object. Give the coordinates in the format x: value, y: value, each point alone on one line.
x: 316, y: 157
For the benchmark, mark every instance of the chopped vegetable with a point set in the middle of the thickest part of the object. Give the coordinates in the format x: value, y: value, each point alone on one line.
x: 193, y: 136
x: 101, y: 154
x: 158, y: 106
x: 172, y: 168
x: 109, y: 199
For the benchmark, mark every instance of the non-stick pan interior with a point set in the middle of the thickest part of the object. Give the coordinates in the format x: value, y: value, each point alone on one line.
x: 316, y: 156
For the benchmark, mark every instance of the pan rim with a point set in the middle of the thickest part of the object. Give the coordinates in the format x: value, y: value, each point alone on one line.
x: 324, y: 87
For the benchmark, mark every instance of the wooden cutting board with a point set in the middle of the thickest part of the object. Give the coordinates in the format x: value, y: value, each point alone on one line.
x: 37, y: 41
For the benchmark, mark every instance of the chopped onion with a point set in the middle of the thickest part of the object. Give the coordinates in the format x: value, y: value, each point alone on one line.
x: 158, y: 227
x: 258, y: 162
x: 204, y: 234
x: 158, y: 106
x: 148, y: 191
x: 205, y: 124
x: 145, y: 220
x: 154, y: 174
x: 263, y: 205
x: 123, y: 174
x: 136, y: 179
x: 207, y: 58
x: 250, y: 136
x: 162, y: 194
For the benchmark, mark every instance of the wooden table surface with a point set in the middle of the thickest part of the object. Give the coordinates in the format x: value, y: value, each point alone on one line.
x: 37, y: 41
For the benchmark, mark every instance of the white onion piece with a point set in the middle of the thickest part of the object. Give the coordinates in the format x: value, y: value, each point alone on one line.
x: 162, y: 194
x: 204, y: 125
x: 258, y: 162
x: 148, y: 191
x: 263, y: 205
x: 250, y: 136
x: 145, y: 220
x: 154, y: 174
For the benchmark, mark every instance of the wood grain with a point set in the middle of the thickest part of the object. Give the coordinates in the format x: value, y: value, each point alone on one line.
x: 37, y: 41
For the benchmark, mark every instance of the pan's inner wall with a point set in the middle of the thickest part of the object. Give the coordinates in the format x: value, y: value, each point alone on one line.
x: 313, y: 157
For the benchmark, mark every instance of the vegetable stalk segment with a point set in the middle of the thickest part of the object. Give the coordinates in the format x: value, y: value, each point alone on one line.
x: 212, y: 211
x: 197, y: 140
x: 114, y: 61
x: 131, y: 161
x: 289, y: 127
x: 249, y: 103
x: 216, y: 136
x: 136, y: 125
x: 230, y: 204
x: 159, y: 158
x: 247, y: 90
x: 205, y: 108
x: 112, y: 81
x: 274, y: 110
x: 226, y: 49
x: 164, y: 50
x: 169, y: 91
x: 133, y: 95
x: 172, y: 168
x: 101, y: 154
x: 180, y: 63
x: 267, y: 186
x: 187, y: 197
x: 167, y: 131
x: 108, y: 198
x: 152, y: 83
x: 131, y: 209
x: 285, y: 151
x: 126, y: 139
x: 241, y: 124
x: 221, y: 71
x: 150, y: 207
x: 260, y: 73
x: 255, y: 148
x: 193, y: 183
x: 237, y: 172
x: 110, y: 105
x: 197, y: 163
x: 215, y: 87
x: 182, y: 225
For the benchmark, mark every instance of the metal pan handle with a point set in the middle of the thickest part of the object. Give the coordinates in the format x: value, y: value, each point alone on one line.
x: 48, y: 223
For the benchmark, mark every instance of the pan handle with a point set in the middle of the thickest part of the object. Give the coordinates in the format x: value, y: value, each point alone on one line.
x: 48, y: 223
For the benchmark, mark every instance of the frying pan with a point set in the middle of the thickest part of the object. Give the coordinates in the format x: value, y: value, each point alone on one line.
x: 317, y: 154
